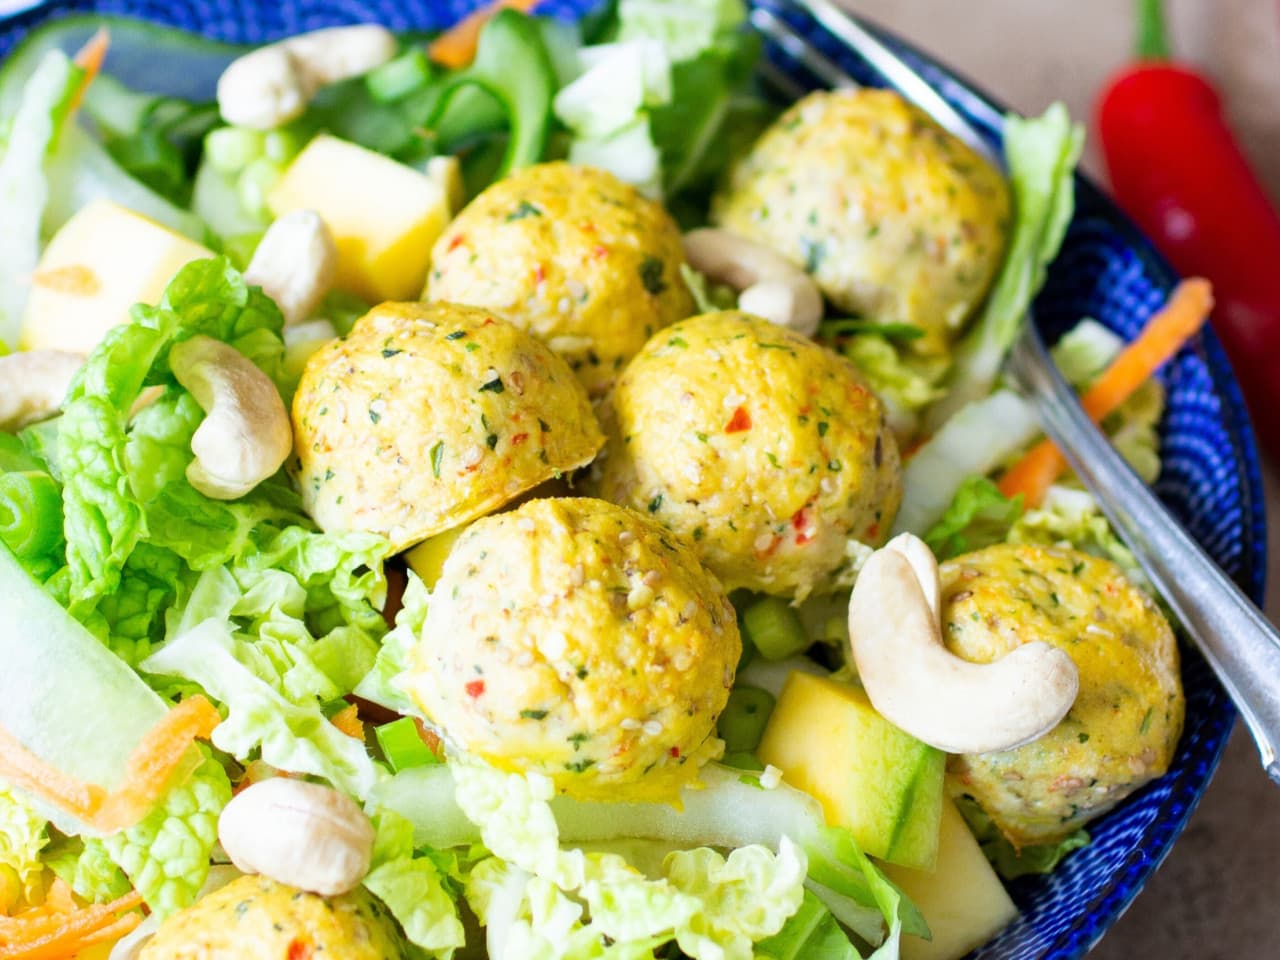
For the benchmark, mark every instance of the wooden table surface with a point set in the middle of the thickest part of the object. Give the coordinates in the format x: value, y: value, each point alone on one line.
x: 1218, y: 894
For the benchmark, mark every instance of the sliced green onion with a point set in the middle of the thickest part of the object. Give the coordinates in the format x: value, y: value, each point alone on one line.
x: 231, y: 149
x: 30, y: 512
x: 402, y: 76
x: 403, y: 745
x: 281, y: 146
x: 774, y: 628
x: 744, y: 719
x: 256, y: 181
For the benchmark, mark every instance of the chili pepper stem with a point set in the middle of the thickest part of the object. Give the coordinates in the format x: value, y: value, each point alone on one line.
x: 1153, y: 31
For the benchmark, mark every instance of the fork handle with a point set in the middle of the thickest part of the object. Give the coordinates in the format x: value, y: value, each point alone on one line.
x: 1235, y: 638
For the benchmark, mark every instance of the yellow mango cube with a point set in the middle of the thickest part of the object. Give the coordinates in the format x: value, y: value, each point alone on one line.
x: 105, y: 259
x: 962, y: 899
x: 884, y: 785
x: 384, y: 216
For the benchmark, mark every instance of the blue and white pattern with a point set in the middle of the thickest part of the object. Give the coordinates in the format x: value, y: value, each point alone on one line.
x: 1211, y: 477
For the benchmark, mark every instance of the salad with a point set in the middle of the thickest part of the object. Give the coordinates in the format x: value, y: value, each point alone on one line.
x: 522, y: 493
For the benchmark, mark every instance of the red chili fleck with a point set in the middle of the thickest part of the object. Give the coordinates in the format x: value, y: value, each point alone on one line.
x: 873, y: 531
x: 488, y: 322
x: 457, y: 241
x: 600, y: 251
x: 299, y: 950
x: 802, y: 522
x: 475, y: 688
x: 518, y: 439
x: 740, y: 421
x: 540, y: 274
x: 675, y: 752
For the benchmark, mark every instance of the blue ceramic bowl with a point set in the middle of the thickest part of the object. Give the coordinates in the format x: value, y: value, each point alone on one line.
x: 1107, y: 270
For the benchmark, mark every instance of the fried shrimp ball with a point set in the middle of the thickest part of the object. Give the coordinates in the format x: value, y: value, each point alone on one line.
x: 895, y: 218
x: 260, y: 918
x: 580, y: 640
x: 763, y: 450
x: 573, y: 255
x: 429, y: 415
x: 1125, y: 724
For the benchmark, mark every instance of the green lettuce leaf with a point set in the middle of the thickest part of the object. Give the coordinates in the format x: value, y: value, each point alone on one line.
x: 379, y: 684
x: 293, y: 735
x: 22, y: 835
x: 413, y: 888
x: 979, y: 516
x: 24, y: 188
x: 812, y: 933
x: 683, y: 29
x: 87, y: 868
x: 166, y: 854
x: 1041, y: 153
x: 1073, y: 518
x: 1009, y: 861
x: 906, y: 383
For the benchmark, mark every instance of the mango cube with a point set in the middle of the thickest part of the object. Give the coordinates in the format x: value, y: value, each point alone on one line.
x: 884, y: 785
x: 384, y: 216
x: 105, y: 259
x: 962, y: 899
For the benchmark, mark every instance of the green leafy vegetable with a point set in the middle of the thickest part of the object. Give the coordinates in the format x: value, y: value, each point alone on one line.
x: 812, y: 933
x: 684, y: 29
x: 906, y: 383
x: 413, y: 889
x: 1009, y: 861
x: 850, y: 327
x: 22, y: 835
x: 1072, y: 517
x: 166, y: 855
x: 979, y: 516
x: 1041, y: 153
x: 378, y: 685
x: 87, y: 868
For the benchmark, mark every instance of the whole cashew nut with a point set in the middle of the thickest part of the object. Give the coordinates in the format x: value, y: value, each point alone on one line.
x: 272, y: 85
x: 768, y: 285
x: 295, y: 264
x: 919, y: 686
x: 34, y: 385
x: 302, y: 834
x: 245, y: 436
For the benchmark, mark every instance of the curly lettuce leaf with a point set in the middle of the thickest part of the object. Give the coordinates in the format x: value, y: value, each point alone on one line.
x: 812, y: 933
x: 683, y: 29
x: 166, y: 854
x: 1009, y: 861
x: 906, y: 383
x: 979, y: 516
x: 22, y: 835
x: 414, y: 890
x: 87, y: 868
x: 1073, y: 518
x: 1041, y: 153
x: 379, y: 684
x: 291, y: 735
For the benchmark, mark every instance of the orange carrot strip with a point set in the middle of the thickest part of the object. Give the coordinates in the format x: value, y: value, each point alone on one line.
x: 1188, y: 308
x: 348, y: 721
x: 147, y: 771
x: 38, y: 942
x: 456, y: 47
x: 89, y: 58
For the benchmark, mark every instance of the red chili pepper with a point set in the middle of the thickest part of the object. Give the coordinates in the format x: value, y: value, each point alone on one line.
x: 741, y: 420
x: 475, y: 688
x: 1177, y: 169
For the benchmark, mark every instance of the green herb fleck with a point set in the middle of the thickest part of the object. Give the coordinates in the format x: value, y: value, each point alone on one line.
x: 823, y: 427
x: 578, y: 739
x: 437, y: 456
x: 702, y: 437
x: 533, y: 714
x: 651, y: 275
x: 524, y: 209
x: 389, y: 352
x: 579, y: 766
x: 491, y: 440
x: 472, y: 347
x: 835, y: 466
x: 1146, y: 721
x: 1082, y: 737
x: 813, y: 251
x: 456, y: 335
x: 374, y: 415
x: 492, y: 386
x: 680, y: 342
x: 655, y: 504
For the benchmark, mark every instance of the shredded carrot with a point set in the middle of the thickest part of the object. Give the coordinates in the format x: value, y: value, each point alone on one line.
x: 348, y: 721
x: 47, y: 934
x: 1164, y: 334
x: 456, y: 47
x: 147, y: 771
x: 89, y: 58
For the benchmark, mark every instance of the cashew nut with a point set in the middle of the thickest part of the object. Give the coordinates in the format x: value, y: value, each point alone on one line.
x: 918, y: 685
x: 768, y: 285
x: 34, y: 385
x: 245, y: 436
x: 295, y: 264
x: 272, y: 85
x: 302, y: 834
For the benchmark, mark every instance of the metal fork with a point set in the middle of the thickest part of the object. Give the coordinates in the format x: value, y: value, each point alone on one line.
x: 1240, y: 645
